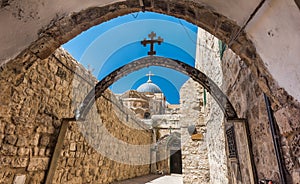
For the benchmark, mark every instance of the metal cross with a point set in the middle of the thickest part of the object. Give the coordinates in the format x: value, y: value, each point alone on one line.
x: 149, y: 75
x: 152, y: 41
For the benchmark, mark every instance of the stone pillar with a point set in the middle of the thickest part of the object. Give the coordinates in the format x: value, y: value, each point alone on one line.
x: 208, y: 61
x: 153, y: 153
x: 195, y: 166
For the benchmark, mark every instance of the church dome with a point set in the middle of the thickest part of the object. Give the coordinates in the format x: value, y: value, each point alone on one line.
x: 149, y: 87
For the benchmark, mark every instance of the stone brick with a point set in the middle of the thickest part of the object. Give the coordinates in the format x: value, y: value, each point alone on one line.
x: 45, y: 140
x: 24, y: 130
x: 20, y: 179
x: 22, y: 141
x: 2, y: 126
x: 20, y: 162
x: 1, y: 138
x: 48, y: 152
x: 5, y: 110
x: 295, y: 144
x: 22, y: 151
x: 10, y: 139
x: 6, y: 175
x: 72, y: 146
x: 296, y: 177
x: 5, y: 160
x: 35, y: 151
x: 38, y: 164
x: 9, y: 129
x: 287, y: 119
x: 34, y: 140
x: 8, y: 150
x: 42, y: 152
x: 70, y: 162
x: 38, y: 177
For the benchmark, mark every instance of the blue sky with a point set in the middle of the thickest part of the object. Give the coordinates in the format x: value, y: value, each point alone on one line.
x: 115, y: 43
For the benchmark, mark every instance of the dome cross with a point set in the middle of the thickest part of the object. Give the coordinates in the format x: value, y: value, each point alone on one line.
x: 149, y: 76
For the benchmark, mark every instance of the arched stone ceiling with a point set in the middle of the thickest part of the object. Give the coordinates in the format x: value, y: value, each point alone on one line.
x: 273, y: 30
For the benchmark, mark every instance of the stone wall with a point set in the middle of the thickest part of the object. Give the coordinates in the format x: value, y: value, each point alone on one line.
x: 208, y: 61
x: 36, y: 97
x: 247, y: 98
x: 195, y: 165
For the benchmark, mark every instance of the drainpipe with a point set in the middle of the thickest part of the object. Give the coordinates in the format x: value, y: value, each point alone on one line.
x: 275, y: 138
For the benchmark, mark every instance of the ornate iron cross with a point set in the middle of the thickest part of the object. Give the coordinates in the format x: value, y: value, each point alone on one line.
x: 152, y: 41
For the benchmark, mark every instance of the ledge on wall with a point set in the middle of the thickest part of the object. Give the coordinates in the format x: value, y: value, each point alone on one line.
x: 197, y: 137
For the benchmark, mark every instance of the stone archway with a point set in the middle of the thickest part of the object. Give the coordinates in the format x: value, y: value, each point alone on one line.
x: 67, y: 27
x: 192, y: 72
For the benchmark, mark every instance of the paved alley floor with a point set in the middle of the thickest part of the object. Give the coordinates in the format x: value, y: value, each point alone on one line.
x: 168, y: 179
x: 155, y: 179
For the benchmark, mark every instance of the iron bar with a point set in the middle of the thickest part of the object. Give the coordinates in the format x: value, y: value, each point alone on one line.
x: 247, y: 22
x: 275, y: 138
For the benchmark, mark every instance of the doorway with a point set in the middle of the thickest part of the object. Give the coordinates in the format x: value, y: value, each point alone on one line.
x: 175, y: 161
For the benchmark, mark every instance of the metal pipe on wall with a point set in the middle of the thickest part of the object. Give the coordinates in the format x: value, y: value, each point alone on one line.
x: 275, y: 138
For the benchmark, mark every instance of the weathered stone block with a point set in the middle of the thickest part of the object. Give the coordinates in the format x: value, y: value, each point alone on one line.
x: 10, y: 139
x: 6, y: 176
x: 34, y: 140
x: 25, y: 130
x: 37, y: 177
x: 5, y: 111
x: 35, y: 151
x: 22, y: 141
x: 9, y: 129
x: 41, y: 129
x: 48, y: 152
x: 8, y: 150
x: 42, y: 151
x: 20, y: 179
x: 1, y: 138
x: 45, y: 140
x: 5, y: 160
x: 19, y: 162
x: 287, y: 119
x: 38, y: 164
x: 19, y: 120
x: 22, y: 151
x: 73, y: 146
x: 2, y: 126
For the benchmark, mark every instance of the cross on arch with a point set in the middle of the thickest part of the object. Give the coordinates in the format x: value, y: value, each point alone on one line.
x: 152, y: 41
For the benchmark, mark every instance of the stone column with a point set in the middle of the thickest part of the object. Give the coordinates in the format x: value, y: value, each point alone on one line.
x: 195, y: 166
x: 208, y: 61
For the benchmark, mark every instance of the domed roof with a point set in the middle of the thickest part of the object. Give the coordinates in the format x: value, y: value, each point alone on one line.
x: 149, y: 87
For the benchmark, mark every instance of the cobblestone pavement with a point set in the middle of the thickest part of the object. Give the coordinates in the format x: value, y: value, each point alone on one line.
x: 154, y: 179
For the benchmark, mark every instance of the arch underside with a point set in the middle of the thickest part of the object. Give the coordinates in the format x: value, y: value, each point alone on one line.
x: 184, y: 68
x: 67, y: 27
